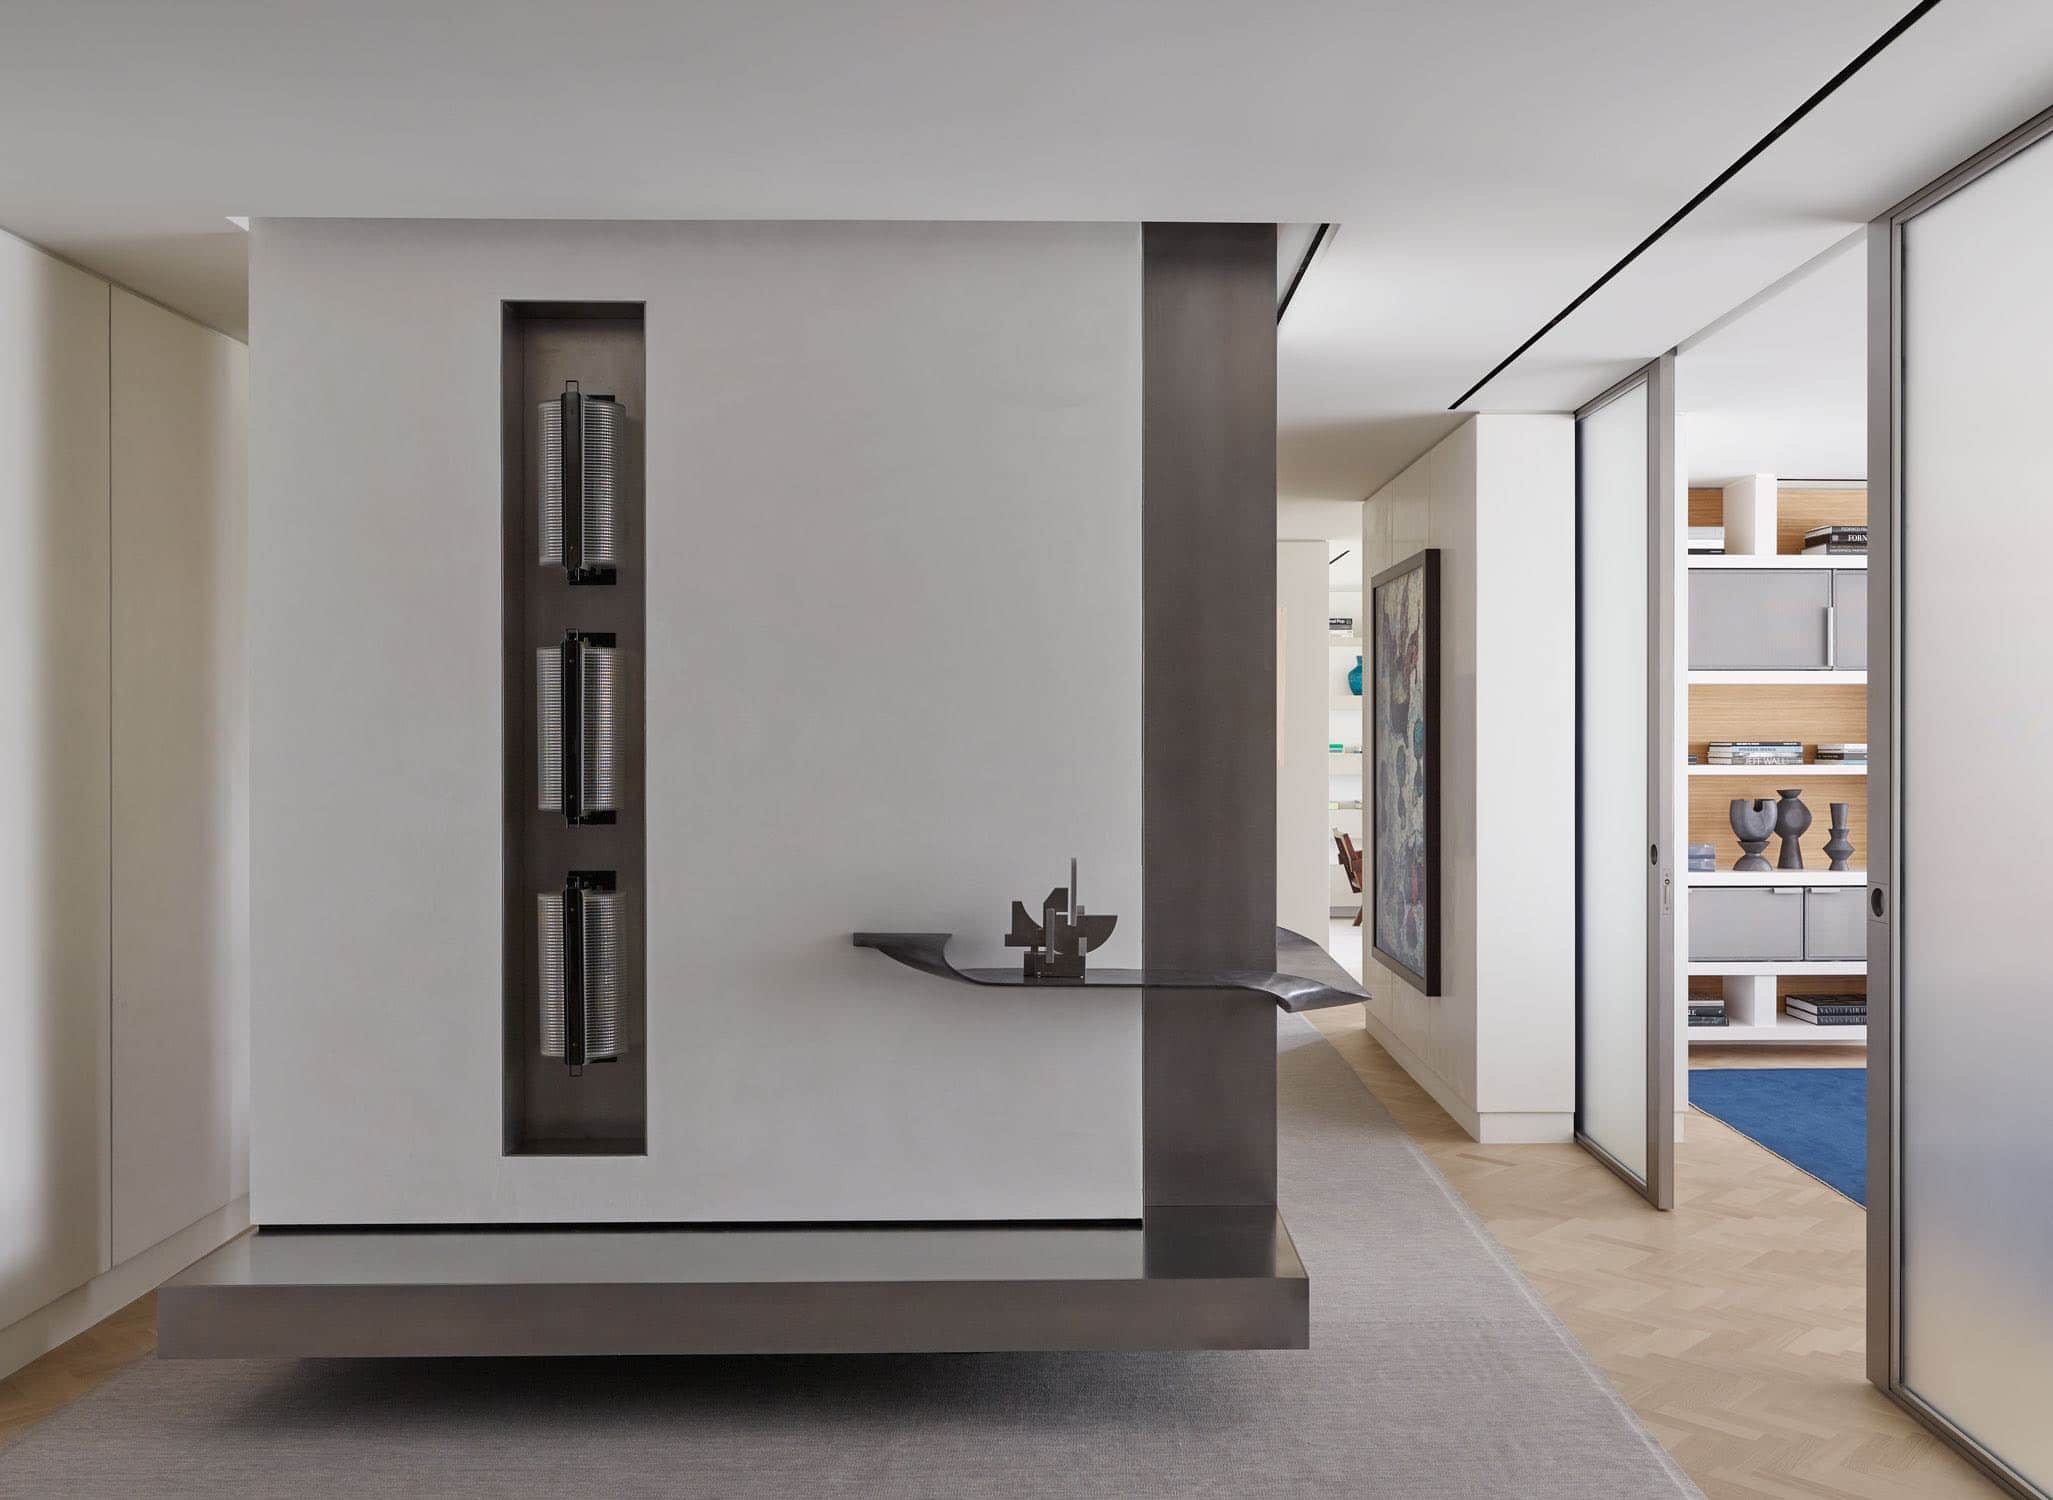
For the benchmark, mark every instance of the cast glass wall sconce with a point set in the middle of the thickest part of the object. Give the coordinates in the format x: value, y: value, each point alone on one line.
x: 582, y: 439
x: 577, y: 933
x: 577, y: 727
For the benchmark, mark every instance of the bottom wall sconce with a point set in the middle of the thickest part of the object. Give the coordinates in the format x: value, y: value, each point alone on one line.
x: 577, y: 933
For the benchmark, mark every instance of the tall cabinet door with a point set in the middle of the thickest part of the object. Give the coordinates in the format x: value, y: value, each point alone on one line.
x: 53, y: 763
x: 180, y: 771
x: 1626, y: 737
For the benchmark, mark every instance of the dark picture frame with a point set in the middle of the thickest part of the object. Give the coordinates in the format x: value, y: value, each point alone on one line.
x: 1403, y: 798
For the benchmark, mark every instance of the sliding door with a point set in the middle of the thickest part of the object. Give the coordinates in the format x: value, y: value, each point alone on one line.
x: 1625, y: 543
x: 1961, y: 1268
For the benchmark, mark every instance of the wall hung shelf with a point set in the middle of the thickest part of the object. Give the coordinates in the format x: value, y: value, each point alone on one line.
x: 1781, y: 560
x: 1786, y: 967
x: 1781, y: 1032
x: 1790, y: 677
x: 1808, y: 768
x: 1313, y: 981
x: 1773, y: 878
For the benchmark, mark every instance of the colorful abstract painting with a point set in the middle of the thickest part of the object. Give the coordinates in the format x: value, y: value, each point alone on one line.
x: 1404, y: 617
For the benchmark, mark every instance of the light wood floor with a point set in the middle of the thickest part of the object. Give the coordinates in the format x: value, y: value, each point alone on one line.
x: 1733, y: 1326
x: 72, y: 1370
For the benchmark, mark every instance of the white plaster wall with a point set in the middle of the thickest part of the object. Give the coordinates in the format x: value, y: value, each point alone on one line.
x: 894, y: 680
x: 180, y: 773
x: 1496, y: 1046
x: 1304, y: 840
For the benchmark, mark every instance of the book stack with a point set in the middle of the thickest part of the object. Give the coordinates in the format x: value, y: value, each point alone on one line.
x: 1702, y: 858
x: 1707, y: 541
x: 1756, y: 752
x: 1707, y: 1010
x: 1843, y: 755
x: 1825, y: 1010
x: 1836, y: 539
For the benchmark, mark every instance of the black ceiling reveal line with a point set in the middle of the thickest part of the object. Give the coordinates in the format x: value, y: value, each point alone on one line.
x: 1873, y: 50
x: 1305, y: 264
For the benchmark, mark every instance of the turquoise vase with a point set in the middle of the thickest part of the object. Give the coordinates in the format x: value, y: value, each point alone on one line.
x: 1354, y: 678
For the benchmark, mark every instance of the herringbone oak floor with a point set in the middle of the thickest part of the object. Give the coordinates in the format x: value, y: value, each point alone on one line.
x: 1733, y: 1326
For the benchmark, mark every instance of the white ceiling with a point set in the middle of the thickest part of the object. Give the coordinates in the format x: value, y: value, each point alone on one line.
x: 1782, y: 388
x: 1485, y: 160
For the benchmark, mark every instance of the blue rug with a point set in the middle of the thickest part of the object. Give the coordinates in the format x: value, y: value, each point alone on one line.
x: 1813, y: 1118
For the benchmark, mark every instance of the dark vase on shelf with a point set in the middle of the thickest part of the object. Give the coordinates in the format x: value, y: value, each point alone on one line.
x: 1791, y: 819
x: 1839, y: 846
x: 1354, y: 678
x: 1753, y: 819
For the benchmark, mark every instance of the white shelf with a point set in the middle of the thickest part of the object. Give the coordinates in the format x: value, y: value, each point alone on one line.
x: 1778, y: 877
x: 1341, y: 702
x: 1344, y: 763
x: 1806, y: 768
x: 1344, y: 643
x: 1782, y: 1032
x: 1778, y: 679
x: 1781, y: 560
x: 1793, y: 968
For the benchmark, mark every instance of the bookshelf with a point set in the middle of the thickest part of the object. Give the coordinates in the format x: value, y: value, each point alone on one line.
x: 1344, y: 779
x: 1765, y: 521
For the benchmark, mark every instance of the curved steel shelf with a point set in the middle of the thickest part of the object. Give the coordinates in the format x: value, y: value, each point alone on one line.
x: 1313, y: 982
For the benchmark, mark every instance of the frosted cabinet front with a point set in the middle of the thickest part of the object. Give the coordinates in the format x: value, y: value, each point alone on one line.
x: 1850, y: 621
x: 1759, y: 621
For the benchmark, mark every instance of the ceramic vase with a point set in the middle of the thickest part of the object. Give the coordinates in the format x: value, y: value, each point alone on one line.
x: 1839, y: 846
x: 1354, y: 678
x: 1753, y: 819
x: 1791, y: 819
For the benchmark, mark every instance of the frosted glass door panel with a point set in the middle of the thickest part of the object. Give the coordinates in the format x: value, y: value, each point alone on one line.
x: 1976, y: 655
x: 1612, y: 597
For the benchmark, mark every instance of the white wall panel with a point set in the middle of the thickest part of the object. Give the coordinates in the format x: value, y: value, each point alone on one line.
x: 894, y: 678
x: 180, y: 857
x: 1304, y: 839
x: 53, y: 762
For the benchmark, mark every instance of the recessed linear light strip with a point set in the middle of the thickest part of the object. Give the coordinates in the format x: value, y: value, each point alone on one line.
x: 1320, y: 235
x: 1873, y: 50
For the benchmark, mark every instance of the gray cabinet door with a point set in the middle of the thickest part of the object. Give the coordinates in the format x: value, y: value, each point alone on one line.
x: 1770, y: 620
x: 1746, y: 923
x: 1836, y: 923
x: 1850, y: 619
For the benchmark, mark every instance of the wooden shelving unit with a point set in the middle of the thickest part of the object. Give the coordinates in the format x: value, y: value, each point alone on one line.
x: 1344, y: 771
x: 1814, y: 706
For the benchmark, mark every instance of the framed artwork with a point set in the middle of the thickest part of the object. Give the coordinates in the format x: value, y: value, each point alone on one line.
x: 1404, y: 745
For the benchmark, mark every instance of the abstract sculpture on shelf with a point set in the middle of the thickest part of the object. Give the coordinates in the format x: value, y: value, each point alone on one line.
x: 1791, y: 819
x: 577, y: 933
x: 1753, y: 819
x: 1839, y: 847
x: 581, y: 439
x: 1056, y: 945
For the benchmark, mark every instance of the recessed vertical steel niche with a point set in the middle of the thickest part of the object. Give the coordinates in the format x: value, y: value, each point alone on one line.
x: 573, y: 387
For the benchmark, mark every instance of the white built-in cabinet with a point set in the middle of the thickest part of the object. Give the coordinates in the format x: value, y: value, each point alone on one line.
x: 123, y: 748
x: 54, y: 742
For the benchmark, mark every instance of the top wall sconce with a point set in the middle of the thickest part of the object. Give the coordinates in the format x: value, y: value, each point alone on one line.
x: 582, y: 437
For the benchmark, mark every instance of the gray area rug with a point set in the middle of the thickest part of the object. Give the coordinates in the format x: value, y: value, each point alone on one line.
x: 1434, y: 1372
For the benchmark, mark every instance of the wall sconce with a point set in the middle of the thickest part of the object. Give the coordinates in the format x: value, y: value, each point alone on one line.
x: 582, y: 437
x: 578, y: 941
x: 577, y: 713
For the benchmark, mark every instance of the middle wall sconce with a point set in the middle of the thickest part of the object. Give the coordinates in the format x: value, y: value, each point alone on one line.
x: 577, y: 713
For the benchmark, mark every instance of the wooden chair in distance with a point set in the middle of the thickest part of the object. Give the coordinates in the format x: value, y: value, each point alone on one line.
x: 1350, y: 861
